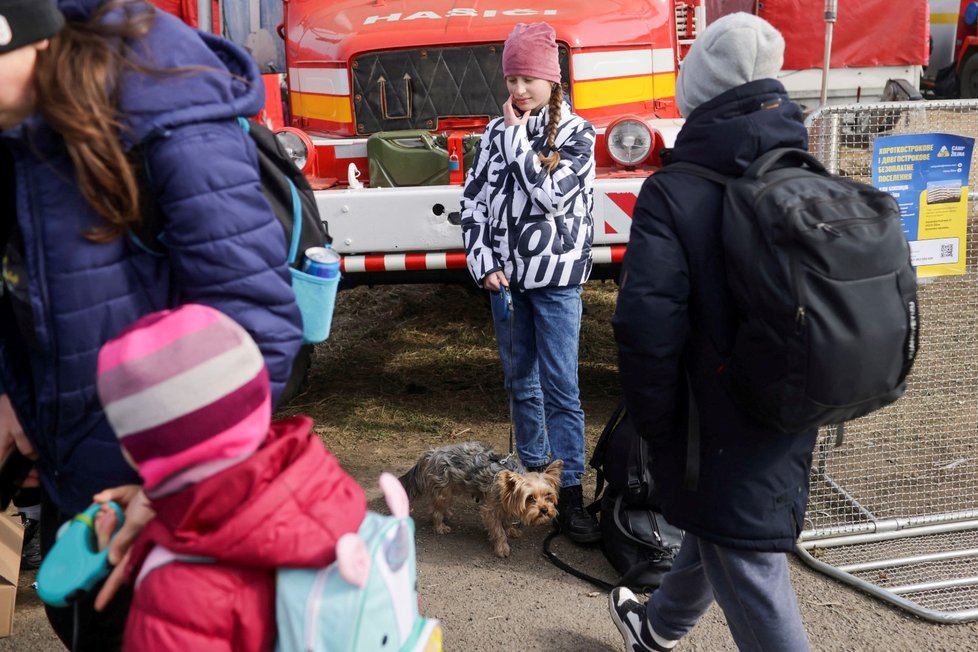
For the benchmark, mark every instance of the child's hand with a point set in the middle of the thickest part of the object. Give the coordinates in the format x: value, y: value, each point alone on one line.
x: 509, y: 114
x: 138, y: 514
x: 494, y: 281
x: 105, y: 523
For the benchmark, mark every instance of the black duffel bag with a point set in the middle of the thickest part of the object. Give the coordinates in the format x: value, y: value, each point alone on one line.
x: 635, y: 538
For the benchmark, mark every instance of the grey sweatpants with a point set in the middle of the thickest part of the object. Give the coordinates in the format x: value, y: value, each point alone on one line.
x: 753, y: 589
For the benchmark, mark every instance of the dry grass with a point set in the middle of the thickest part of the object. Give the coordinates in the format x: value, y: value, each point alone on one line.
x: 407, y: 363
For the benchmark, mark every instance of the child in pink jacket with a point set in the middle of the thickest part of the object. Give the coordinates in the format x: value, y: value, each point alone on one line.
x: 235, y: 496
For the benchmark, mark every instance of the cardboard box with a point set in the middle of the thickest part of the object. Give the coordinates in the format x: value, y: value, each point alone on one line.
x: 11, y: 540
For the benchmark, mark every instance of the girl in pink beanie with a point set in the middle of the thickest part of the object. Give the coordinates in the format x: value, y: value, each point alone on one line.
x: 234, y: 496
x: 527, y: 227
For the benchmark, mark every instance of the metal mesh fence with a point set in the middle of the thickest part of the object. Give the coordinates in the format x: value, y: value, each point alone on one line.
x: 914, y: 463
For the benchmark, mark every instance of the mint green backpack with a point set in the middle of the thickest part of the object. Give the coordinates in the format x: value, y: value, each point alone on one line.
x: 365, y: 601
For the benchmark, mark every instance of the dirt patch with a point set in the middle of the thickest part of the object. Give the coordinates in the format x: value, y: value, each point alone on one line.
x: 410, y: 367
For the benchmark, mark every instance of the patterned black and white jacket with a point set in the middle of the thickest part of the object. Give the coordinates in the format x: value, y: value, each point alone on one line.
x: 533, y: 225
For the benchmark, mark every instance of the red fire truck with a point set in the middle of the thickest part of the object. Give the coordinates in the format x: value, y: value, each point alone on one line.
x: 382, y: 101
x: 953, y: 67
x: 385, y: 101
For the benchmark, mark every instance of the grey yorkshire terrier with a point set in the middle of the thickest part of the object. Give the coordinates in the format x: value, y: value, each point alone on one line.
x: 507, y: 491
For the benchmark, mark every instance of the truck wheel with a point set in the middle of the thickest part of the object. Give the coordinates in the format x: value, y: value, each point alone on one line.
x: 968, y: 78
x: 299, y: 376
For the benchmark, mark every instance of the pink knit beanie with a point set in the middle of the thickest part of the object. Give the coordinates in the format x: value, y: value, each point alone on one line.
x: 531, y: 51
x: 187, y: 394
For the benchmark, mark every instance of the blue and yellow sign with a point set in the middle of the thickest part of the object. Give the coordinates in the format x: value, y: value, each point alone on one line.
x: 928, y: 176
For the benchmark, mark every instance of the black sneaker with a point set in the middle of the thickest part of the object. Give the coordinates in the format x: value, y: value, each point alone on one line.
x: 30, y: 554
x: 575, y: 521
x: 629, y: 617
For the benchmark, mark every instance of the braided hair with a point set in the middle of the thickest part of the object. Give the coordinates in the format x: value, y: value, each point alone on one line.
x: 551, y: 161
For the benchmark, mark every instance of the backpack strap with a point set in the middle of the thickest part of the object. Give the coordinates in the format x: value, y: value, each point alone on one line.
x: 567, y: 568
x: 696, y: 170
x: 691, y: 478
x: 296, y: 223
x: 599, y: 452
x: 147, y: 234
x: 769, y: 160
x: 245, y: 124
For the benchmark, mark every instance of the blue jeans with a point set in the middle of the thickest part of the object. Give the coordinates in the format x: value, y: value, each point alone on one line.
x: 538, y: 347
x: 753, y: 589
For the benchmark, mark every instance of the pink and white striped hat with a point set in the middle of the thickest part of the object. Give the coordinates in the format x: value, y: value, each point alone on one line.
x: 187, y: 394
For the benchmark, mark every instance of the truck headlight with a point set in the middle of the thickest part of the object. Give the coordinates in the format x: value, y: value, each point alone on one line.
x: 296, y: 145
x: 971, y: 14
x: 629, y: 140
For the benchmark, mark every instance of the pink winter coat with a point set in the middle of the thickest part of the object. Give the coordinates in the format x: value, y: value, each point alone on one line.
x: 284, y: 506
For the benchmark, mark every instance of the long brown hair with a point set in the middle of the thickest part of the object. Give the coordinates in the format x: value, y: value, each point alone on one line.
x: 76, y: 81
x: 553, y: 108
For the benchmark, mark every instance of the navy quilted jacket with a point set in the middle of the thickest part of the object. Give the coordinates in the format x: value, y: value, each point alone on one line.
x: 675, y: 316
x: 225, y: 249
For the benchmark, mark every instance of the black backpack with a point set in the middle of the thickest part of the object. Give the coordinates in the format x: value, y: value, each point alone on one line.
x: 820, y: 271
x: 292, y: 199
x: 635, y: 538
x: 284, y: 185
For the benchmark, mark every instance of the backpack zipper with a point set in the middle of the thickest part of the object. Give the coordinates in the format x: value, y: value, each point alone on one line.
x: 799, y: 319
x: 834, y: 230
x: 828, y: 228
x: 840, y: 223
x: 312, y: 609
x: 834, y: 227
x: 800, y: 313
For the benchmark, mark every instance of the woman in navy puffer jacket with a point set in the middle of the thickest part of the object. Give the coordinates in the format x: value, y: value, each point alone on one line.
x: 72, y: 277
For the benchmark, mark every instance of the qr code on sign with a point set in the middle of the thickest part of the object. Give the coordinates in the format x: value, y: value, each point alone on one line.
x: 947, y: 251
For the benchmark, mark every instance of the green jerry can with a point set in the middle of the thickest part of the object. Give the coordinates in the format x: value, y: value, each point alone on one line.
x: 413, y: 157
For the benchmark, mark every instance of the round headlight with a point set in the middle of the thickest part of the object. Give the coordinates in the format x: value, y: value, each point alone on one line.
x: 971, y: 14
x: 629, y: 141
x: 295, y: 147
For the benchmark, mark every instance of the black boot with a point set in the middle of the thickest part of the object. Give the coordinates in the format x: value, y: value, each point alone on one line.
x: 30, y: 555
x: 573, y: 519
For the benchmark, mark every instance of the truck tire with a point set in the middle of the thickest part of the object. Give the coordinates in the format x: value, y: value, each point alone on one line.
x: 299, y: 377
x: 968, y: 78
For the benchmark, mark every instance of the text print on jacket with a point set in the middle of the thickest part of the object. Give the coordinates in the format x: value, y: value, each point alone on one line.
x: 517, y: 217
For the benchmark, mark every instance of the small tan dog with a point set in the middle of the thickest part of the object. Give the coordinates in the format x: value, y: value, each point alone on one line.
x: 507, y: 491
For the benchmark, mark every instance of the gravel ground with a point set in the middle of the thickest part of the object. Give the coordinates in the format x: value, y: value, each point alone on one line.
x: 409, y: 368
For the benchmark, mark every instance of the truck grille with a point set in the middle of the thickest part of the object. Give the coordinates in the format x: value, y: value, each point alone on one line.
x: 412, y: 89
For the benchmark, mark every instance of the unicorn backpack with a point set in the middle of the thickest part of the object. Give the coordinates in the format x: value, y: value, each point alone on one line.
x: 365, y: 601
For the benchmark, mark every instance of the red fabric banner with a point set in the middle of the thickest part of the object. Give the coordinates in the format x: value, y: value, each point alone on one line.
x: 866, y: 33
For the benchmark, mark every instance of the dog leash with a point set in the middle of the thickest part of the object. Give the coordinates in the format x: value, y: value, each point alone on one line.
x: 508, y: 302
x: 567, y: 568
